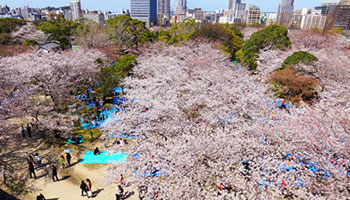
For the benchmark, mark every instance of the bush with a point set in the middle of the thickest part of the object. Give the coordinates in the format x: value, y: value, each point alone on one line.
x: 7, y: 25
x: 163, y: 35
x: 30, y: 43
x: 272, y: 37
x: 295, y: 88
x: 297, y: 58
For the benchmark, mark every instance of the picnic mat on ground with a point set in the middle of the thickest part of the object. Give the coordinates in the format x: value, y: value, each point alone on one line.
x: 103, y: 158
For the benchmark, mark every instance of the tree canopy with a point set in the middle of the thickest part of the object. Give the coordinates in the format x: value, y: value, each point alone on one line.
x: 127, y: 32
x: 297, y: 58
x: 272, y: 37
x: 60, y: 29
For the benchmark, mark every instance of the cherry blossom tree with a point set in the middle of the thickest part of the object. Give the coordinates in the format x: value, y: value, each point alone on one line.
x: 206, y: 129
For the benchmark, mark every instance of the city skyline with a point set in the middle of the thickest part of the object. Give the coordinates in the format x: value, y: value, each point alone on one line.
x: 116, y: 6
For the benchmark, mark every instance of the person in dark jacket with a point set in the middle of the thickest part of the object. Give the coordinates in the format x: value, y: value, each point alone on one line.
x: 40, y: 197
x: 54, y: 173
x: 31, y: 169
x: 68, y: 157
x: 29, y: 131
x: 23, y: 131
x: 84, y: 188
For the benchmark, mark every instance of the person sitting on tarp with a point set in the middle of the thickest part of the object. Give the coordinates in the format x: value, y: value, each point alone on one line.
x: 97, y: 151
x: 76, y: 139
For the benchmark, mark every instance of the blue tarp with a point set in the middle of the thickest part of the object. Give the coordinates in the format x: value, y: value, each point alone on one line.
x: 90, y: 158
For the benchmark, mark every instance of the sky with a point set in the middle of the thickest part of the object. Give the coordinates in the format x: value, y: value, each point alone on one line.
x: 117, y: 5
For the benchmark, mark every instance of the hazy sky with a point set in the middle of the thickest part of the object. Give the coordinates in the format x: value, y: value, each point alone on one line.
x: 116, y: 5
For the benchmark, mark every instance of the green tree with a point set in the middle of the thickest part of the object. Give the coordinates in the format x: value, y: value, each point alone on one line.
x: 111, y: 76
x: 271, y: 37
x: 299, y: 57
x: 60, y: 29
x: 126, y: 32
x: 182, y: 31
x: 91, y: 35
x: 7, y: 25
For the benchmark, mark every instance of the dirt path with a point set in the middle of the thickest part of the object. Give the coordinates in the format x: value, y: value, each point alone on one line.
x: 68, y: 189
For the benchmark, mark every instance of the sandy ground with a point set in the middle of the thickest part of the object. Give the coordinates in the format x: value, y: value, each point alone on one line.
x: 69, y: 187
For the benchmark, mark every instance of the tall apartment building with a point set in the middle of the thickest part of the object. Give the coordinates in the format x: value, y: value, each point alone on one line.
x: 181, y: 10
x: 75, y: 6
x: 144, y: 10
x: 237, y: 11
x: 25, y: 12
x: 315, y: 20
x: 285, y: 11
x: 330, y: 2
x: 253, y: 15
x: 345, y: 2
x: 97, y: 17
x: 164, y: 7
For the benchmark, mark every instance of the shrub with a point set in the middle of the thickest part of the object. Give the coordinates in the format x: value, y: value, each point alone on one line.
x: 7, y: 25
x: 163, y: 35
x: 295, y: 88
x: 271, y: 37
x: 30, y: 43
x: 299, y: 57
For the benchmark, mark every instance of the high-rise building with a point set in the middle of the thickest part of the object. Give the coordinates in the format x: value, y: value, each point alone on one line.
x: 253, y: 15
x: 181, y: 10
x: 345, y: 2
x: 330, y: 2
x: 164, y: 7
x: 314, y: 20
x: 144, y: 10
x: 236, y: 11
x: 75, y: 6
x: 25, y: 12
x: 285, y: 11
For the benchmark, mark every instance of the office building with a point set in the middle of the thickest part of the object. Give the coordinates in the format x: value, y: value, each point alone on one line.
x: 181, y: 10
x: 253, y: 15
x: 236, y: 11
x: 75, y: 7
x: 164, y: 7
x: 285, y: 12
x: 331, y: 2
x: 345, y: 2
x: 314, y: 20
x: 144, y: 10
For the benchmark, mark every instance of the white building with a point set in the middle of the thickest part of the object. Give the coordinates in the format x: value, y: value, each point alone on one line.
x: 75, y: 7
x: 285, y: 12
x: 315, y: 20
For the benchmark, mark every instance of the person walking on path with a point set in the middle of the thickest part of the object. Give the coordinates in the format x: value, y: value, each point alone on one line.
x: 68, y: 157
x: 54, y: 173
x: 84, y: 188
x: 63, y: 161
x: 29, y: 131
x: 40, y: 197
x: 121, y: 179
x: 119, y: 193
x: 30, y: 159
x: 23, y: 132
x: 37, y: 159
x: 89, y: 187
x: 31, y: 170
